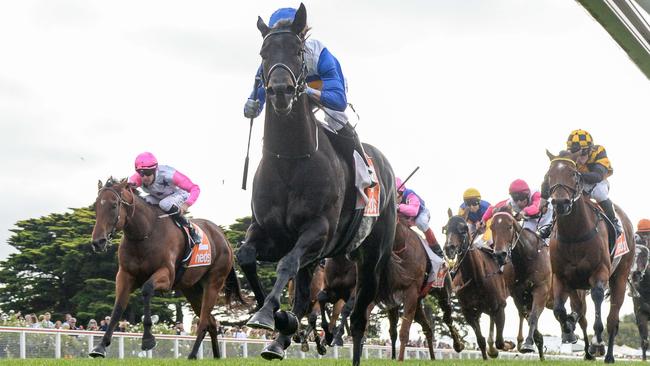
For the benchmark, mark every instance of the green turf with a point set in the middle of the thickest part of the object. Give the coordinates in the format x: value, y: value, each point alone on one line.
x: 261, y: 362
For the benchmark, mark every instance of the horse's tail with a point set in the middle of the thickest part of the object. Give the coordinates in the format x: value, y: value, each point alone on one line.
x: 393, y: 271
x: 232, y: 288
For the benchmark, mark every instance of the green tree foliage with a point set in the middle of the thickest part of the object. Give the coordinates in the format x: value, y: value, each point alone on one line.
x: 56, y: 270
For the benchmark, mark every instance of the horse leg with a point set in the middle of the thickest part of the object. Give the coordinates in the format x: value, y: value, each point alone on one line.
x: 491, y: 351
x: 345, y: 314
x: 616, y: 297
x: 427, y: 328
x: 160, y: 280
x: 123, y: 287
x: 539, y: 301
x: 320, y: 347
x: 520, y: 335
x: 444, y: 302
x: 410, y: 304
x: 567, y: 323
x: 474, y: 321
x: 313, y: 235
x: 209, y: 299
x: 579, y: 307
x: 367, y: 281
x: 393, y: 318
x: 597, y: 296
x: 193, y: 296
x: 247, y: 259
x: 642, y: 324
x: 499, y: 322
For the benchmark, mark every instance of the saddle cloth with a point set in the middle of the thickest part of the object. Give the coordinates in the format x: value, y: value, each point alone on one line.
x: 438, y: 267
x: 199, y: 254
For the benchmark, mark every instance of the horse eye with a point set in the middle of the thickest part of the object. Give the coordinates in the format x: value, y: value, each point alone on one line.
x: 115, y: 205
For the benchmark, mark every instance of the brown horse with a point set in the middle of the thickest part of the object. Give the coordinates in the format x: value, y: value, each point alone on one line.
x: 317, y: 284
x: 580, y: 254
x: 340, y: 278
x: 479, y: 285
x: 640, y: 288
x: 529, y: 277
x: 149, y: 257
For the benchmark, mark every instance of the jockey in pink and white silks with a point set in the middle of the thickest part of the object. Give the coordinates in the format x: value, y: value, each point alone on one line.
x: 326, y: 86
x: 166, y: 187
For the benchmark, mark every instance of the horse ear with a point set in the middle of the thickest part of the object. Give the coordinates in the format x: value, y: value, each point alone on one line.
x: 550, y: 155
x: 99, y: 184
x: 299, y: 20
x: 123, y: 181
x: 449, y: 213
x: 264, y: 29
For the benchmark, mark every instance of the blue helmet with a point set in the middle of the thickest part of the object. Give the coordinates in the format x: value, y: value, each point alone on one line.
x: 282, y: 14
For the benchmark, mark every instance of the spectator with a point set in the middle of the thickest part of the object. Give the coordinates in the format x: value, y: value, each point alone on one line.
x: 47, y: 323
x: 58, y: 324
x: 72, y: 323
x: 123, y: 326
x: 103, y: 326
x: 180, y: 329
x: 92, y: 325
x: 240, y: 334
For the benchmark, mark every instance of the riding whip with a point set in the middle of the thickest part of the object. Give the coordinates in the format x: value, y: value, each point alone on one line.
x: 407, y: 178
x: 256, y: 86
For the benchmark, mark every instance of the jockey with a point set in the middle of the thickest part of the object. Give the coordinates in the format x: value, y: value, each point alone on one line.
x: 412, y: 206
x: 167, y: 188
x: 526, y: 205
x: 643, y: 232
x: 594, y: 167
x: 326, y: 86
x: 473, y: 208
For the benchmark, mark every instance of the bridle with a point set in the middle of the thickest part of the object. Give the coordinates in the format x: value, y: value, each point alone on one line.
x: 574, y: 192
x: 300, y: 81
x: 120, y: 202
x: 515, y: 235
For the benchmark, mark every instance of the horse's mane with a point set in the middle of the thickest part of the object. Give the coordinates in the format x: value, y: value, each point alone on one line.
x: 117, y: 182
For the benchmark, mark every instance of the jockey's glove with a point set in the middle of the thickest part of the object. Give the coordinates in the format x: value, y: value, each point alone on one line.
x: 252, y: 108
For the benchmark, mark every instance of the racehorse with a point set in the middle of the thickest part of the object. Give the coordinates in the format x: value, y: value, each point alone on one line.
x: 302, y: 337
x: 478, y: 283
x: 529, y: 277
x: 580, y: 253
x: 150, y: 255
x: 304, y: 198
x: 640, y: 288
x: 340, y: 279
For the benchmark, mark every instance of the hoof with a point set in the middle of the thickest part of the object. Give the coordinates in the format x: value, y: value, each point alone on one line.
x: 527, y: 348
x: 598, y: 350
x: 321, y: 349
x: 273, y: 352
x: 329, y: 339
x: 298, y: 337
x: 459, y: 346
x: 589, y: 357
x: 304, y: 347
x: 338, y: 341
x: 148, y: 343
x: 609, y: 359
x: 569, y: 338
x: 98, y: 352
x: 493, y: 353
x: 262, y: 320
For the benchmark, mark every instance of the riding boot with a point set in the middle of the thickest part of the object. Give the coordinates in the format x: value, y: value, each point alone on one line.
x: 433, y: 243
x: 350, y: 132
x: 608, y: 208
x: 544, y: 231
x: 184, y: 222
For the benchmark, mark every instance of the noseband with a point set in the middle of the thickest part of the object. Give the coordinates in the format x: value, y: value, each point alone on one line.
x: 299, y: 81
x: 574, y: 192
x: 515, y: 236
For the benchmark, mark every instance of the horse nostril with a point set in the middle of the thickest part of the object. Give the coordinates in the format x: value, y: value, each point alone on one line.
x: 270, y: 91
x: 291, y: 89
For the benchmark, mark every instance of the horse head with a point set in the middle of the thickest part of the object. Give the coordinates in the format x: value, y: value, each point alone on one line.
x: 457, y: 239
x: 505, y: 233
x: 283, y: 61
x: 110, y: 211
x: 564, y: 182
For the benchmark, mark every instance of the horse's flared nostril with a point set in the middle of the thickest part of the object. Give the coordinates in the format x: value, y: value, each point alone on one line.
x: 99, y: 244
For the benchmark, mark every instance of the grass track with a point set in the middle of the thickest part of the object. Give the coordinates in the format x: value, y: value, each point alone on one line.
x: 261, y: 362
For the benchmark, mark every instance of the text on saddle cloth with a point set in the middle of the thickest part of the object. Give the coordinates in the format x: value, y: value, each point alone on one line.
x: 201, y: 254
x: 438, y: 266
x: 372, y: 194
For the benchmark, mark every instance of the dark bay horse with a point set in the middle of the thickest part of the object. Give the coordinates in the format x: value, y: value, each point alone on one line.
x: 304, y: 198
x: 640, y: 288
x: 580, y: 255
x: 340, y: 278
x: 149, y: 255
x: 302, y: 337
x: 529, y: 277
x: 479, y: 285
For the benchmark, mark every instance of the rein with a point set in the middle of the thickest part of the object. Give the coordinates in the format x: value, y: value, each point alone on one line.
x: 121, y: 201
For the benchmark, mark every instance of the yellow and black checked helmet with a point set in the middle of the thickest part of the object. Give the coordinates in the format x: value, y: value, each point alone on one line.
x: 579, y: 139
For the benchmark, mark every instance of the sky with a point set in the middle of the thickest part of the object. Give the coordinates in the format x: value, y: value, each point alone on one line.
x: 472, y: 92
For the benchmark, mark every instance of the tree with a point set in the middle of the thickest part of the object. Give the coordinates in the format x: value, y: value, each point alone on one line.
x: 55, y: 270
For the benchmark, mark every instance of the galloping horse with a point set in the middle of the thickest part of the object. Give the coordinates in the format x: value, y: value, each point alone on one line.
x: 408, y: 249
x: 302, y: 337
x: 478, y: 284
x: 529, y: 277
x: 304, y: 198
x: 640, y: 288
x: 340, y: 279
x: 150, y: 254
x: 580, y: 254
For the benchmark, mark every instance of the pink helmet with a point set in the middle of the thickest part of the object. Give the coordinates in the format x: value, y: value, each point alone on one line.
x: 519, y: 186
x: 398, y: 185
x: 146, y: 160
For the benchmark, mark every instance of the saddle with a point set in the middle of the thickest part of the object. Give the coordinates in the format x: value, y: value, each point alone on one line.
x: 614, y: 241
